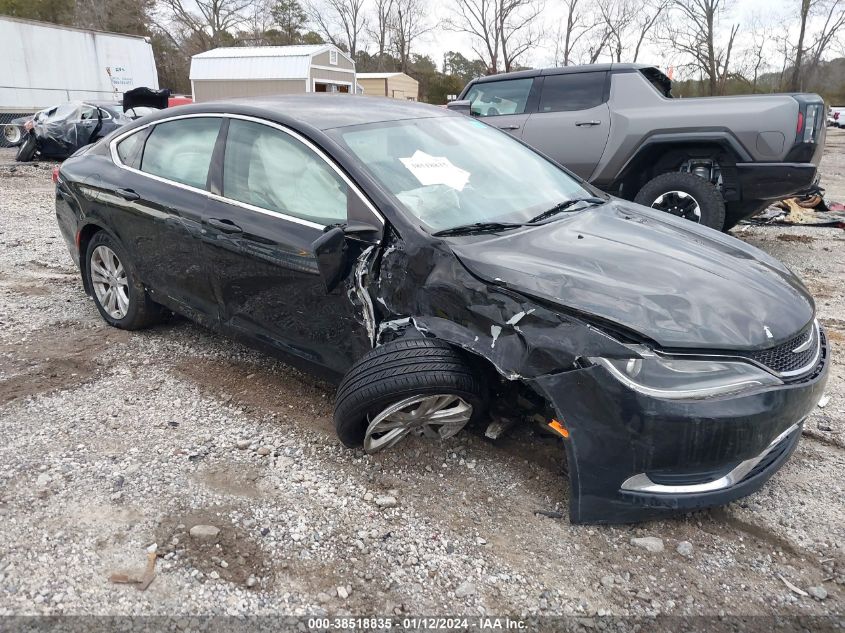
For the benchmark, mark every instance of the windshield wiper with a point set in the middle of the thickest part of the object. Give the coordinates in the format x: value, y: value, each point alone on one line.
x: 563, y: 206
x: 477, y: 227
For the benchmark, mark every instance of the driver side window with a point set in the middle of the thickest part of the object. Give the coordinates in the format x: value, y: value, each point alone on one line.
x: 494, y: 98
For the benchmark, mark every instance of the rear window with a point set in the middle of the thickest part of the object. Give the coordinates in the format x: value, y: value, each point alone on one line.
x: 129, y: 149
x: 577, y: 91
x: 661, y: 82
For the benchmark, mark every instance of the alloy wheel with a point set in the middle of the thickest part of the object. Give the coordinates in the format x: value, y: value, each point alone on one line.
x: 111, y: 286
x: 678, y: 203
x: 436, y: 416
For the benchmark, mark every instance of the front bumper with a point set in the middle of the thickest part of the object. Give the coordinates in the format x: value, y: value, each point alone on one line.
x: 694, y: 453
x: 773, y: 181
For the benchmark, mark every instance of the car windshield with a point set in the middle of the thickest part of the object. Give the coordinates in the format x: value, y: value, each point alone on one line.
x: 455, y: 171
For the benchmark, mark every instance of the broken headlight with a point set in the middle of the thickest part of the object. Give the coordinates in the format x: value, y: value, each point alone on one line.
x: 676, y: 379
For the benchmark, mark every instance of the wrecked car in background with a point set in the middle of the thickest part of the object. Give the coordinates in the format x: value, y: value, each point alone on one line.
x: 440, y: 270
x: 59, y: 131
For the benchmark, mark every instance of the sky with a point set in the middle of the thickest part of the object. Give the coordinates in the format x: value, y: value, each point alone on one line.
x: 436, y: 43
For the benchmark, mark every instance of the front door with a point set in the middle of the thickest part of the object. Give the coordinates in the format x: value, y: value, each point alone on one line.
x: 503, y: 104
x: 278, y: 195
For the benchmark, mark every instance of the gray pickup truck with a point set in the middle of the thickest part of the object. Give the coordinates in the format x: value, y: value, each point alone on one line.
x: 713, y: 160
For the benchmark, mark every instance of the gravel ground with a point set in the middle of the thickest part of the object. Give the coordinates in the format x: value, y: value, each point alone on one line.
x: 116, y: 444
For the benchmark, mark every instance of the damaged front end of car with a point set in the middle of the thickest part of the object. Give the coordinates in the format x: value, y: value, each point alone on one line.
x: 646, y: 434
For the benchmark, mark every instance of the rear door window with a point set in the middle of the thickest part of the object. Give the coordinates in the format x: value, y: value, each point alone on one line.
x: 181, y: 150
x: 494, y: 98
x: 575, y: 91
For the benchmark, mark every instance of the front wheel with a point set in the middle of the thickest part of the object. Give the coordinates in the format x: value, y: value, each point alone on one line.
x: 684, y: 195
x: 118, y: 293
x: 408, y: 387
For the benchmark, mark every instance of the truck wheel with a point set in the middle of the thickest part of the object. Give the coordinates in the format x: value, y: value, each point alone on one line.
x: 684, y: 195
x: 419, y: 386
x: 27, y: 149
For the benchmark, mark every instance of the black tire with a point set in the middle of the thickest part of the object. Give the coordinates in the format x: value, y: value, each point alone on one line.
x: 401, y: 369
x: 142, y: 311
x: 27, y: 149
x: 710, y: 203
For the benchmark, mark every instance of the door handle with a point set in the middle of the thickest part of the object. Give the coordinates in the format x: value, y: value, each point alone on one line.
x: 508, y: 127
x: 128, y: 194
x: 224, y: 226
x: 587, y: 123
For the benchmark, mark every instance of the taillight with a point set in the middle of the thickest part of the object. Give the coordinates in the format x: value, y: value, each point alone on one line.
x: 56, y: 173
x: 800, y: 127
x: 813, y: 114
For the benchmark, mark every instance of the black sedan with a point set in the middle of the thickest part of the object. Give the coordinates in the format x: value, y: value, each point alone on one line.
x: 440, y: 270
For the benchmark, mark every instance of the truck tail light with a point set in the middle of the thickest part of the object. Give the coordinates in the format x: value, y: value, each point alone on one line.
x: 810, y: 122
x: 800, y: 127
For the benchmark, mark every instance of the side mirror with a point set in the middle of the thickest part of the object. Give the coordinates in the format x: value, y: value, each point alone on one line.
x: 462, y: 106
x: 331, y: 251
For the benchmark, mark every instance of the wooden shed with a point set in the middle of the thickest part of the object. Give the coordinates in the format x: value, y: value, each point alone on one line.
x: 393, y: 85
x: 255, y: 71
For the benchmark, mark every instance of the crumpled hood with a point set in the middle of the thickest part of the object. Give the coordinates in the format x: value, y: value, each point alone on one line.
x: 675, y: 282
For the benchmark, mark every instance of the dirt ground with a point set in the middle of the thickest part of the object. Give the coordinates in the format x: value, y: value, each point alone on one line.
x: 115, y: 445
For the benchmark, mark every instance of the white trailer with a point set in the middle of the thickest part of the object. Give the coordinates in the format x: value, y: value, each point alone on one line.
x: 45, y: 64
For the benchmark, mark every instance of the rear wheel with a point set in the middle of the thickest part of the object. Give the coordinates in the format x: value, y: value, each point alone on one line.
x: 684, y: 195
x: 118, y: 293
x: 27, y: 149
x: 408, y: 387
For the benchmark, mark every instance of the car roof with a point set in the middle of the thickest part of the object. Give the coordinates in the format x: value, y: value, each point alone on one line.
x: 322, y: 111
x: 563, y: 70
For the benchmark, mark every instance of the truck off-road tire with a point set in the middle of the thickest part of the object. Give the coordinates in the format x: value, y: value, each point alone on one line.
x: 422, y: 385
x: 27, y: 149
x: 684, y: 195
x: 118, y: 293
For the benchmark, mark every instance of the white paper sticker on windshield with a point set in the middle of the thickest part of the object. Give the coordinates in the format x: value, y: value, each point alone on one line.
x: 436, y: 170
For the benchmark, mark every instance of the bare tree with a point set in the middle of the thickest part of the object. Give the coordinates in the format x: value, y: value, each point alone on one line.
x: 833, y: 13
x: 205, y: 23
x: 407, y: 24
x: 628, y: 24
x: 807, y: 52
x: 502, y: 31
x: 758, y: 50
x: 477, y: 18
x: 579, y: 30
x: 518, y: 31
x: 341, y: 22
x: 693, y: 31
x: 380, y: 29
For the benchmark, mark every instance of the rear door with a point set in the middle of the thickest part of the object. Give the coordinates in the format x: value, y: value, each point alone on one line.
x: 277, y: 196
x: 572, y: 121
x: 505, y: 104
x: 158, y: 197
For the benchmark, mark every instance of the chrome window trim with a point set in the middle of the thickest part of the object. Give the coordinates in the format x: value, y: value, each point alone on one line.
x: 220, y: 115
x: 643, y: 483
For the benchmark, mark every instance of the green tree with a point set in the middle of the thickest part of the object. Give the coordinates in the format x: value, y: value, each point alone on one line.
x: 465, y: 70
x: 55, y: 11
x: 290, y: 18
